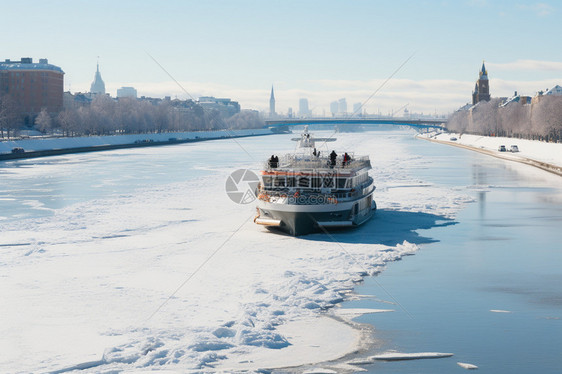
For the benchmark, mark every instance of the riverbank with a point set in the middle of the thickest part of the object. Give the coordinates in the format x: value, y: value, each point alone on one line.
x: 545, y: 156
x: 40, y: 147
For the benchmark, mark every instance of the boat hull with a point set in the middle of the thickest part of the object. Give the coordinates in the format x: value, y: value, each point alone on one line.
x: 299, y: 220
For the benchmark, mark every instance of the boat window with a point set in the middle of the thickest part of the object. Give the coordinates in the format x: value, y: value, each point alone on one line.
x: 328, y: 182
x: 291, y: 182
x: 303, y: 182
x: 362, y: 178
x: 267, y: 181
x: 316, y: 182
x: 349, y: 183
x: 279, y: 181
x: 341, y: 182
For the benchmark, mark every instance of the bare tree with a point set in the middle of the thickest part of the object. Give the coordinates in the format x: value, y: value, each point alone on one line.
x: 128, y: 115
x: 43, y: 121
x: 547, y: 118
x: 458, y: 121
x: 8, y: 116
x: 540, y: 120
x: 515, y: 119
x: 68, y: 122
x: 245, y: 119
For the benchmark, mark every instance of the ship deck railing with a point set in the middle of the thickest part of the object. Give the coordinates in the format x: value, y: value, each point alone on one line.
x: 299, y: 162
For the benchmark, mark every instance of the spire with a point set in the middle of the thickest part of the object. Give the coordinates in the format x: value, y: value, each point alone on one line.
x: 98, y: 86
x: 272, y: 104
x: 482, y: 87
x: 483, y: 72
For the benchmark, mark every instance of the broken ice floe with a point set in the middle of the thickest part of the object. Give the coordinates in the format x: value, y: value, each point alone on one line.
x: 399, y: 356
x: 464, y: 365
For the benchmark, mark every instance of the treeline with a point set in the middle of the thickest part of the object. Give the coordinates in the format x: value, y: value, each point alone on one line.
x: 106, y: 116
x: 541, y: 120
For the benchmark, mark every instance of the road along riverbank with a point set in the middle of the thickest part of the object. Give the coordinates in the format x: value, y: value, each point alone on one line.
x: 545, y: 156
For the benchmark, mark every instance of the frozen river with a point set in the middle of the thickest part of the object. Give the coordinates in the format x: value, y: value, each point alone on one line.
x: 135, y: 259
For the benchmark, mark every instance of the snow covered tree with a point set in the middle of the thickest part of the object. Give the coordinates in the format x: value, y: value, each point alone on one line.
x: 541, y: 120
x: 68, y: 122
x: 547, y: 118
x: 43, y: 121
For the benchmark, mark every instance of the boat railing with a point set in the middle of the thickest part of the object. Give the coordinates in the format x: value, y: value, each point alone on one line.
x: 293, y: 196
x: 300, y: 162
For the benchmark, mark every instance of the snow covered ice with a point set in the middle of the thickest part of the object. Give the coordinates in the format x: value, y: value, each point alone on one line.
x: 176, y: 276
x: 467, y: 366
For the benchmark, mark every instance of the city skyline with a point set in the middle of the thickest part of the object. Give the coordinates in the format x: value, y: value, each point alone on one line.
x: 321, y: 51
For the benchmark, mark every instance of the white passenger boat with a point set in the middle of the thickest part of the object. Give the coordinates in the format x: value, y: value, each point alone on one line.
x: 307, y: 191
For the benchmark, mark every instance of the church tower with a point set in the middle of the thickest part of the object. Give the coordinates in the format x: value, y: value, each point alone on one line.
x: 98, y: 87
x: 482, y: 87
x: 272, y: 104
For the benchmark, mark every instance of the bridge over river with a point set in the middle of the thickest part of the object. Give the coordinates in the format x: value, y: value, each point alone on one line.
x: 420, y: 123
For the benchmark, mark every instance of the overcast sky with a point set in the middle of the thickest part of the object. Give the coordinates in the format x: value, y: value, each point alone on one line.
x: 321, y: 50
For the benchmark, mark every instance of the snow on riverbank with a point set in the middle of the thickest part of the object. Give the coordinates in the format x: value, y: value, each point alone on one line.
x: 42, y: 144
x: 178, y: 277
x: 550, y: 153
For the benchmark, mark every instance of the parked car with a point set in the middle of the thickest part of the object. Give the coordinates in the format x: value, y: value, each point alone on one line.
x: 18, y: 150
x: 514, y: 148
x: 502, y: 148
x: 453, y: 139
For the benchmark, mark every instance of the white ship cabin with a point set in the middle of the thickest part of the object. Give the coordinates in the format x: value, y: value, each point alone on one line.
x: 305, y: 174
x: 311, y: 172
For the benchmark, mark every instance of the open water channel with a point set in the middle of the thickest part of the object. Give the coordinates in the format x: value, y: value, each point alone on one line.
x: 490, y: 289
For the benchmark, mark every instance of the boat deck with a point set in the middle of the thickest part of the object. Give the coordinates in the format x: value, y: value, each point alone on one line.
x: 298, y: 163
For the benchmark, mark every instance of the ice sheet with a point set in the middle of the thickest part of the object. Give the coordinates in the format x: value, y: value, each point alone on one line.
x: 177, y: 277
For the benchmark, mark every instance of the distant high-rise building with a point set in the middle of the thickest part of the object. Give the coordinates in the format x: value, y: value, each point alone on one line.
x: 272, y: 104
x: 98, y: 87
x: 127, y: 92
x: 303, y: 108
x: 482, y: 87
x: 334, y: 106
x: 357, y: 109
x: 342, y: 106
x: 32, y: 86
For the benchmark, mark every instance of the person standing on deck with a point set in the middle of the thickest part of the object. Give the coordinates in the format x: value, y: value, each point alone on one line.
x: 333, y: 157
